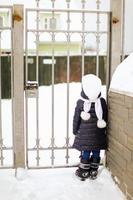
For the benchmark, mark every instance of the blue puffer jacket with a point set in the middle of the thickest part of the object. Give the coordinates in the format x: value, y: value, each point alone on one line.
x: 87, y: 135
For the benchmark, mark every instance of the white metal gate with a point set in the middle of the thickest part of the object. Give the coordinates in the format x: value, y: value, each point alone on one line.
x: 6, y: 56
x: 54, y: 32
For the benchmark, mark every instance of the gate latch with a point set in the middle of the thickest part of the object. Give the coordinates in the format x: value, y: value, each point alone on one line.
x: 31, y: 89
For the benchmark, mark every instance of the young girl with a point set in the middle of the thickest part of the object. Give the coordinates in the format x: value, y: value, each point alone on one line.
x: 89, y: 126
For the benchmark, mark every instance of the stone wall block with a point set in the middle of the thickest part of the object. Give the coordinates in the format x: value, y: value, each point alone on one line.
x: 120, y: 141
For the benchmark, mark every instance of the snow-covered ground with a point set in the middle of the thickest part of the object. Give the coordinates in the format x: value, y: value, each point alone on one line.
x: 56, y: 184
x: 51, y: 184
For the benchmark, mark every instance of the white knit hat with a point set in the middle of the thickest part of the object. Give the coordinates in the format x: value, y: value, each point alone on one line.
x: 91, y: 85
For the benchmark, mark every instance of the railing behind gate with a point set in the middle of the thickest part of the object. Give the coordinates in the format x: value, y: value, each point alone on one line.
x: 6, y: 112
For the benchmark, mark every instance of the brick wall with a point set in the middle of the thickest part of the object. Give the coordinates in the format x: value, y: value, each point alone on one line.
x: 120, y: 141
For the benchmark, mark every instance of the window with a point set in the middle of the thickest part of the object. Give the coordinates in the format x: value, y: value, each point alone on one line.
x: 53, y: 23
x: 47, y: 21
x: 1, y: 21
x: 5, y: 18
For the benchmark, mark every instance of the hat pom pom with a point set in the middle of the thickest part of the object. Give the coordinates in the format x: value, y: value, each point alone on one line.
x: 85, y: 116
x: 101, y: 124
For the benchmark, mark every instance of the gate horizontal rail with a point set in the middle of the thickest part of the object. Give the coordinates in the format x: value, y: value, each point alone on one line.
x: 48, y: 148
x: 70, y: 31
x: 67, y: 10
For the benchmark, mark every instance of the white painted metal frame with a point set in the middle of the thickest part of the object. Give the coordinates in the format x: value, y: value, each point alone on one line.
x: 2, y: 145
x: 68, y: 33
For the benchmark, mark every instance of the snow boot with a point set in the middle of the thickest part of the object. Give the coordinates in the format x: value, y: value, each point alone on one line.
x: 94, y: 165
x: 83, y: 170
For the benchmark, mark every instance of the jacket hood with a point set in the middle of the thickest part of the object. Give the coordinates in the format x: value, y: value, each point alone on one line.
x: 91, y: 86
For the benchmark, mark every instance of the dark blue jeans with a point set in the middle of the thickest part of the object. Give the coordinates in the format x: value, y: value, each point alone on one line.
x: 86, y: 154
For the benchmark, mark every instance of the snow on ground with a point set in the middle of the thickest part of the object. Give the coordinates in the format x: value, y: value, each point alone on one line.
x: 122, y: 79
x: 52, y: 184
x: 56, y: 184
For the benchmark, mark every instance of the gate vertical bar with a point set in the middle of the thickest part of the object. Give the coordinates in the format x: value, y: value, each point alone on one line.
x: 53, y: 69
x: 37, y: 79
x: 108, y: 67
x: 12, y: 76
x: 18, y: 77
x: 116, y: 7
x: 123, y: 32
x: 83, y: 37
x: 68, y: 80
x: 1, y: 140
x: 26, y: 79
x: 97, y: 38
